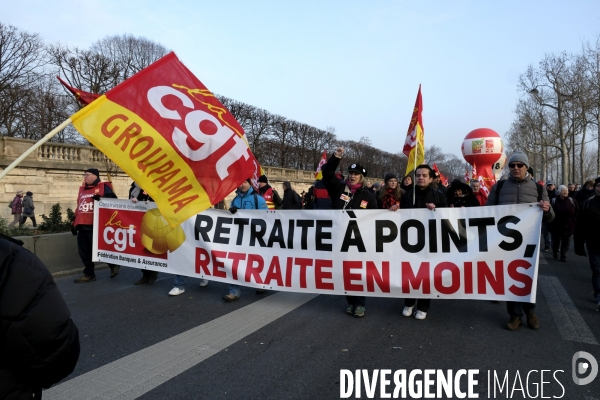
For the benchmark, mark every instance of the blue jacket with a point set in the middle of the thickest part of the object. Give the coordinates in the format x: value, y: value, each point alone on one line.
x: 248, y: 201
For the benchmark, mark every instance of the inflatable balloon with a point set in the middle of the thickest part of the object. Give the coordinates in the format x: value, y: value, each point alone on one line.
x: 498, y: 166
x: 482, y: 148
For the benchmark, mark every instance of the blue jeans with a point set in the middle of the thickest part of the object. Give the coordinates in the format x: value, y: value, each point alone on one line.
x: 179, y: 281
x: 546, y: 235
x: 235, y: 290
x: 595, y: 266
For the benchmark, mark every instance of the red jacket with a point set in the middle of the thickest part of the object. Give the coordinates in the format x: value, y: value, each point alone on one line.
x: 84, y: 213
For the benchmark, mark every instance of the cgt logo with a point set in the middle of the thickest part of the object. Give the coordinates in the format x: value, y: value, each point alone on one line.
x: 580, y: 368
x: 118, y: 235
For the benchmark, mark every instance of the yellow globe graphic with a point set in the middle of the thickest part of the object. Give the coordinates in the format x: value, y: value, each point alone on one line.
x: 157, y: 235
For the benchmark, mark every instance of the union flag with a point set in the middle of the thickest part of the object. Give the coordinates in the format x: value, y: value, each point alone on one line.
x: 172, y: 136
x: 414, y: 145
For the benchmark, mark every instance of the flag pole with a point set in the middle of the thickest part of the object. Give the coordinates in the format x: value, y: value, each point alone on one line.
x: 415, y: 169
x: 35, y: 147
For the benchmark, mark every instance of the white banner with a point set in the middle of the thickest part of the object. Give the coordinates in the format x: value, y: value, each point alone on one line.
x: 460, y: 253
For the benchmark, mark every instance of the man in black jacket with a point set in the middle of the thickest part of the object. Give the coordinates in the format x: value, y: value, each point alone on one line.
x: 39, y: 343
x: 425, y: 195
x: 588, y: 234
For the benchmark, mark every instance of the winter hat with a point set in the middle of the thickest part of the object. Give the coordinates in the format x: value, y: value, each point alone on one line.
x: 388, y: 176
x: 359, y: 169
x: 549, y: 183
x: 29, y: 194
x: 519, y: 156
x: 19, y: 192
x: 93, y: 171
x: 263, y: 179
x: 376, y: 185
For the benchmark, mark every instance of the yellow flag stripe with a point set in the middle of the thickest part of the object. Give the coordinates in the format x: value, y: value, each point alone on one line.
x: 145, y: 155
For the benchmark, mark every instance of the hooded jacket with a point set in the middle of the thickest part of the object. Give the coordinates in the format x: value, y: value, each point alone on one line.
x: 291, y: 199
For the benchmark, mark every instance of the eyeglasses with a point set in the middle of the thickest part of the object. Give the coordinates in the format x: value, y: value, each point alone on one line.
x: 516, y: 165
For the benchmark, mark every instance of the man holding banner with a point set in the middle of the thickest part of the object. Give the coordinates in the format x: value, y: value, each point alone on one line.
x: 519, y: 188
x: 424, y: 195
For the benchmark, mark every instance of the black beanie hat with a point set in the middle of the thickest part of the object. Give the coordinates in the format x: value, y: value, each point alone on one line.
x: 388, y: 176
x: 263, y: 179
x: 597, y: 181
x: 93, y: 171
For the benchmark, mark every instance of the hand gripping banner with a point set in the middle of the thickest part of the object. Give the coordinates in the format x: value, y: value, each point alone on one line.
x: 172, y: 136
x: 460, y: 253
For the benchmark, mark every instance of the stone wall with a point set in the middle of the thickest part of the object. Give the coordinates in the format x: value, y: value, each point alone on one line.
x: 54, y: 172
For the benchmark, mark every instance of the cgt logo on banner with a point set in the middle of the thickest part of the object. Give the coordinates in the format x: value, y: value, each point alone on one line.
x: 466, y: 253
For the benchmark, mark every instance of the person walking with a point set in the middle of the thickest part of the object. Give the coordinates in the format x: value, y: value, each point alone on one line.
x: 28, y: 208
x: 16, y: 209
x: 425, y: 195
x: 246, y: 198
x: 291, y: 199
x: 345, y: 195
x: 477, y: 192
x: 268, y: 193
x: 587, y: 235
x: 563, y: 226
x: 519, y: 188
x: 390, y: 194
x: 461, y: 195
x: 91, y: 189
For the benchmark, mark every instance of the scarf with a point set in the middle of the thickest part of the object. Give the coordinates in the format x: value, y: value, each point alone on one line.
x: 353, y: 188
x: 389, y: 199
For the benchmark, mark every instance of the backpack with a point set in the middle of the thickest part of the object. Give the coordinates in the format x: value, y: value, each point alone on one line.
x: 10, y: 205
x: 499, y: 185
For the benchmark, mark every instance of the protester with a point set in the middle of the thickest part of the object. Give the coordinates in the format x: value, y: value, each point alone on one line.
x: 577, y: 187
x: 39, y: 340
x: 520, y: 188
x: 437, y: 183
x: 425, y: 196
x: 551, y: 190
x: 460, y: 194
x: 28, y: 208
x: 351, y: 194
x: 308, y: 202
x: 246, y: 198
x: 291, y: 199
x: 572, y: 191
x: 407, y: 183
x: 587, y: 235
x: 390, y: 195
x: 268, y: 193
x: 478, y: 193
x: 91, y: 189
x: 563, y: 226
x: 376, y: 188
x: 322, y: 199
x: 586, y: 192
x: 16, y: 206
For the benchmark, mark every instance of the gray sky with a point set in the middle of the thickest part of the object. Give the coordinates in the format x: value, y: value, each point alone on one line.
x: 353, y: 65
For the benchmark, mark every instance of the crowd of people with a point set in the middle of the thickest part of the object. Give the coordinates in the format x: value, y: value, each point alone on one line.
x: 561, y: 207
x: 568, y: 212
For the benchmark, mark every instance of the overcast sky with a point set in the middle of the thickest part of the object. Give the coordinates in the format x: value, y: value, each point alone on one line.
x: 353, y: 65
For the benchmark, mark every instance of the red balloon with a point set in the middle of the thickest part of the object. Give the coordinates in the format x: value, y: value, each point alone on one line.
x: 482, y: 147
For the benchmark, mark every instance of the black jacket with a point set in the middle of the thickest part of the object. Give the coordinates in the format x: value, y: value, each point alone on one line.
x: 39, y: 343
x: 422, y: 197
x: 291, y: 199
x: 360, y: 200
x: 586, y: 229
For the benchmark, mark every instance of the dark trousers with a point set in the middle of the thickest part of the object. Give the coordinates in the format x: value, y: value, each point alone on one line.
x: 560, y: 242
x: 85, y: 241
x: 422, y: 305
x: 595, y: 266
x: 23, y: 219
x: 356, y: 300
x: 546, y: 235
x: 149, y: 274
x: 516, y: 308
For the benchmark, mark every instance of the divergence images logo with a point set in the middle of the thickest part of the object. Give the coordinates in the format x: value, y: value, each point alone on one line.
x: 580, y: 367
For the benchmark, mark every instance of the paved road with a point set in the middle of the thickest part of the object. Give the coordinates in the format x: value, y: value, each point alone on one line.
x: 137, y: 342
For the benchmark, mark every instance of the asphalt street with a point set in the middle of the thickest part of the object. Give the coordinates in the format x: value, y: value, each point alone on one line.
x: 138, y: 342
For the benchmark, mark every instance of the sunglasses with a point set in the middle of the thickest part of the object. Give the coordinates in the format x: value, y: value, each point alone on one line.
x: 516, y: 165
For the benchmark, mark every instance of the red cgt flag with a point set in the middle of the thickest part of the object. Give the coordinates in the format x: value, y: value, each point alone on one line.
x: 84, y: 98
x: 171, y: 135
